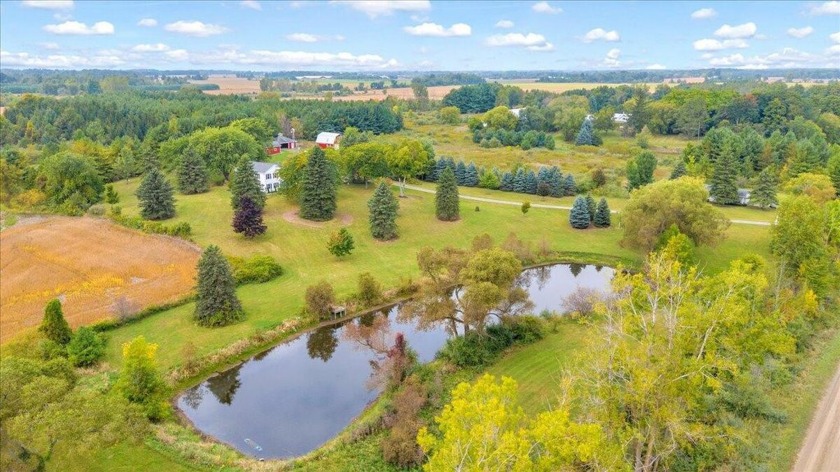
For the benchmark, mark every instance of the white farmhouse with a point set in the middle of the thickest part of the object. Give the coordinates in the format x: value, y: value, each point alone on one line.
x: 269, y: 176
x: 621, y: 117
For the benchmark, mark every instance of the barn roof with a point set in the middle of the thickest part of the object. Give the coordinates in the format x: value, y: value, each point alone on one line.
x: 327, y: 138
x: 263, y: 167
x: 280, y: 139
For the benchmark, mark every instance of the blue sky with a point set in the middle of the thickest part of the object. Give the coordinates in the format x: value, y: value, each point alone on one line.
x: 418, y: 35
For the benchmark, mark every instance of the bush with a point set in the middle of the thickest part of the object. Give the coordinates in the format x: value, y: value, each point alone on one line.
x: 370, y: 291
x: 320, y: 298
x: 180, y: 230
x: 86, y: 347
x: 400, y: 446
x: 96, y: 210
x: 254, y: 270
x: 476, y: 350
x: 49, y: 349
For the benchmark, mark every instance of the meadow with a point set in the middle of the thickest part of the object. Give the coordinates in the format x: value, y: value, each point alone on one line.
x: 90, y: 264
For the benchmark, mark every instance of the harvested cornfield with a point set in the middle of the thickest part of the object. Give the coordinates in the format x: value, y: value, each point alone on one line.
x: 97, y: 269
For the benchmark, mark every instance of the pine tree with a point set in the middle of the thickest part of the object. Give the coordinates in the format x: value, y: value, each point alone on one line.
x: 192, y: 173
x: 440, y: 165
x: 723, y: 187
x: 383, y: 208
x: 764, y: 195
x: 520, y: 181
x: 506, y: 184
x: 471, y: 176
x: 531, y: 183
x: 341, y: 243
x: 679, y: 170
x: 155, y: 196
x: 216, y: 303
x: 431, y: 171
x: 248, y: 218
x: 591, y: 206
x: 556, y: 179
x: 446, y: 197
x: 602, y: 215
x: 111, y: 195
x: 579, y: 216
x: 54, y: 326
x: 245, y: 182
x: 833, y: 170
x: 461, y: 173
x: 569, y: 186
x: 586, y: 136
x: 318, y: 194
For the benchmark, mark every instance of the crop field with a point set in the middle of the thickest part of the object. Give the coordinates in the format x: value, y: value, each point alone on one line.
x: 91, y: 265
x: 230, y: 85
x: 558, y: 87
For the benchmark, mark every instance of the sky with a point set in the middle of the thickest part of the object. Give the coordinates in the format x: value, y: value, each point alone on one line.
x: 418, y: 35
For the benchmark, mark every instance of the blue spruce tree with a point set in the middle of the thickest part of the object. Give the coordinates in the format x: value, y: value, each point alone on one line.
x: 506, y: 183
x: 471, y: 177
x: 569, y: 186
x: 579, y: 216
x: 531, y: 183
x: 520, y: 181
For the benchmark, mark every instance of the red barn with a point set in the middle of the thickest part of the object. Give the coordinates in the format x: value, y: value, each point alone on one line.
x: 328, y: 140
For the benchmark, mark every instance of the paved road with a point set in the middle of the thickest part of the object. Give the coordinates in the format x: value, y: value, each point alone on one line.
x: 550, y: 207
x: 821, y: 450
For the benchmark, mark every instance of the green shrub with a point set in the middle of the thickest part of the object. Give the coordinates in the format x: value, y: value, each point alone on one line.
x: 49, y: 349
x: 86, y: 347
x: 476, y: 350
x: 254, y: 270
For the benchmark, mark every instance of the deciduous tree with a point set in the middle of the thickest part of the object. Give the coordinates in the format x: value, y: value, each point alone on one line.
x: 248, y: 218
x: 341, y: 243
x: 139, y: 380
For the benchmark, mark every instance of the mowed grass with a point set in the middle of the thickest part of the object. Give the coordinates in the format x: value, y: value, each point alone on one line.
x: 537, y: 367
x: 303, y: 253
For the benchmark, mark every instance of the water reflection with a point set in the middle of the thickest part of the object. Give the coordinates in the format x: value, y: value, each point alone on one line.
x: 294, y: 397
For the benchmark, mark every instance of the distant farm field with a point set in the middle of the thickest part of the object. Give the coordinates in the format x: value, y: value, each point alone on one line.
x: 91, y: 265
x: 230, y: 85
x: 562, y: 87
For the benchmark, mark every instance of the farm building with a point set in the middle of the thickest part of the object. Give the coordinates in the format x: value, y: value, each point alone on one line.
x: 328, y: 140
x: 281, y: 142
x: 743, y: 195
x: 269, y: 175
x: 516, y: 112
x: 621, y: 117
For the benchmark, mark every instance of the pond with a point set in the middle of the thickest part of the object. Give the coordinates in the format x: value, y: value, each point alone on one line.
x: 291, y: 399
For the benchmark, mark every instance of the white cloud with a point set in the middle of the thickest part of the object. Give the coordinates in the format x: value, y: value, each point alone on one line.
x: 833, y: 50
x: 374, y: 8
x: 800, y: 32
x: 77, y: 28
x: 178, y: 55
x: 49, y: 4
x: 601, y: 34
x: 786, y: 58
x: 504, y: 24
x: 50, y: 45
x: 147, y: 22
x: 827, y: 8
x: 252, y: 4
x: 530, y: 41
x: 302, y: 37
x: 747, y: 30
x: 611, y: 59
x: 544, y: 7
x: 436, y: 30
x: 159, y: 47
x: 835, y: 37
x: 656, y: 67
x: 718, y: 45
x: 195, y: 28
x: 704, y: 14
x: 61, y: 61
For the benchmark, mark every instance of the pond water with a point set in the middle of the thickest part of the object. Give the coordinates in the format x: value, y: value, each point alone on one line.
x: 291, y: 399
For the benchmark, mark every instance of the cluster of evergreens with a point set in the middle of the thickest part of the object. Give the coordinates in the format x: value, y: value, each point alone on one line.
x: 548, y: 181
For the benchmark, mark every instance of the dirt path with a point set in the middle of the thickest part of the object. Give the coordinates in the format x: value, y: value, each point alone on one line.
x: 821, y: 450
x: 551, y: 207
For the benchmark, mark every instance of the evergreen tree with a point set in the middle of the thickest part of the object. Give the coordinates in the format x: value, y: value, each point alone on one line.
x: 216, y: 303
x: 248, y: 218
x: 440, y: 165
x: 318, y: 193
x: 591, y: 206
x: 579, y: 216
x: 569, y: 186
x: 679, y: 170
x: 341, y: 243
x: 111, y: 195
x: 764, y: 195
x: 155, y: 196
x: 506, y: 184
x: 531, y: 183
x: 446, y: 197
x: 833, y: 170
x: 54, y: 326
x: 602, y: 215
x: 586, y: 136
x: 461, y: 173
x: 556, y: 182
x: 383, y: 208
x: 471, y: 176
x: 192, y: 173
x: 640, y: 170
x: 431, y: 171
x: 246, y: 182
x: 723, y: 187
x: 520, y: 181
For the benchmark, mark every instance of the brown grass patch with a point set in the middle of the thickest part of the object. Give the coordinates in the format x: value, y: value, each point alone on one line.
x: 90, y: 264
x: 293, y: 217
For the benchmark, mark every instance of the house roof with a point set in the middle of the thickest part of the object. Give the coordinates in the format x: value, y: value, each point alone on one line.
x: 280, y: 139
x: 327, y: 138
x: 263, y: 167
